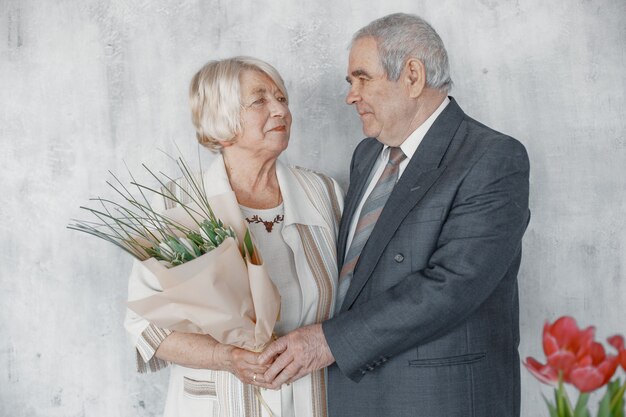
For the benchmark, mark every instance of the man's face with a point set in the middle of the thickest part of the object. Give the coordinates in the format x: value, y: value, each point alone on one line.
x: 383, y: 106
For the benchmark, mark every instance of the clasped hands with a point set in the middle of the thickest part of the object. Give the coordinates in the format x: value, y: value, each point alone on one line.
x: 285, y: 360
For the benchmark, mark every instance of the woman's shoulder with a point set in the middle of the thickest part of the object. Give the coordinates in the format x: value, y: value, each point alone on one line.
x: 323, y: 190
x: 309, y: 172
x: 311, y: 178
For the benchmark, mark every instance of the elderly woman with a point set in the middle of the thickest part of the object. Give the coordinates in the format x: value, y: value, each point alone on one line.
x: 240, y: 111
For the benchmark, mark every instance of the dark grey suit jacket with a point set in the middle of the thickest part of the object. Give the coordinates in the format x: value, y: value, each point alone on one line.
x: 429, y: 326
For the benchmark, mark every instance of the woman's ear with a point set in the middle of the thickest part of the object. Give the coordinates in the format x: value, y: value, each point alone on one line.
x: 229, y: 142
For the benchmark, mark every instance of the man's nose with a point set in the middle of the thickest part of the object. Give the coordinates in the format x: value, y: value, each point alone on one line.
x: 352, y: 96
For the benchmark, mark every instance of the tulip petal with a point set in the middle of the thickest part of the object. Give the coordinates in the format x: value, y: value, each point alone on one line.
x: 617, y: 341
x: 550, y: 344
x: 562, y: 361
x: 564, y: 330
x: 597, y: 353
x: 543, y: 373
x: 584, y: 341
x: 584, y: 361
x: 608, y: 367
x: 587, y: 378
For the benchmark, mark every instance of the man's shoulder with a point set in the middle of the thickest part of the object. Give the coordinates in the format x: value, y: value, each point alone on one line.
x: 479, y: 133
x: 488, y: 138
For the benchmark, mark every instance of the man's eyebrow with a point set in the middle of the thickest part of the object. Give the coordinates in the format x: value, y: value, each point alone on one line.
x: 360, y: 72
x: 357, y: 73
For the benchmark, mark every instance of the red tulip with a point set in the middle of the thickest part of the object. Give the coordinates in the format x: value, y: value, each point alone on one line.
x: 617, y: 342
x: 594, y: 370
x: 575, y: 355
x: 563, y: 344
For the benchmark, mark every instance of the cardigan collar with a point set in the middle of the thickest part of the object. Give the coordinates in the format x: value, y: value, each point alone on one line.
x: 299, y: 208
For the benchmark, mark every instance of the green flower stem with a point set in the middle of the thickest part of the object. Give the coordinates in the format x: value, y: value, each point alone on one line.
x: 146, y: 209
x: 171, y: 197
x: 136, y: 227
x: 128, y: 196
x: 563, y: 404
x: 196, y: 191
x: 198, y: 188
x: 619, y: 394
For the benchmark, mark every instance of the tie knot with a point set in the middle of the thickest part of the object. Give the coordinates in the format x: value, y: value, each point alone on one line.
x: 396, y: 155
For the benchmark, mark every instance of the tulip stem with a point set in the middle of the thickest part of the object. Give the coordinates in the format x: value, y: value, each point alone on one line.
x: 619, y: 394
x: 562, y: 399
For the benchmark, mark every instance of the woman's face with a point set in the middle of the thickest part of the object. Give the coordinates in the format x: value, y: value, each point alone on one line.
x: 265, y: 117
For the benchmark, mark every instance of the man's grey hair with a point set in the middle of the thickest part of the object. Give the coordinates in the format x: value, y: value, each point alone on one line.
x: 403, y: 36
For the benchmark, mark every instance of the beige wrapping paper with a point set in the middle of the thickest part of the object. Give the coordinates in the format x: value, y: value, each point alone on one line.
x: 219, y: 293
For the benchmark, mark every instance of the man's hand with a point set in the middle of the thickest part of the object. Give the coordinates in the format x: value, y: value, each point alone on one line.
x: 296, y: 354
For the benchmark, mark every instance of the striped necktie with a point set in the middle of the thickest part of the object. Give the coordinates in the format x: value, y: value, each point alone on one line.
x: 369, y: 215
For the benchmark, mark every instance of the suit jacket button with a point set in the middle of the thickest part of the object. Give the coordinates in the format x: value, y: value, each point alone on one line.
x: 399, y: 258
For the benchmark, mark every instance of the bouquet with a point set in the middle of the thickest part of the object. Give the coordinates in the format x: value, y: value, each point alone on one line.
x: 574, y: 357
x: 210, y: 276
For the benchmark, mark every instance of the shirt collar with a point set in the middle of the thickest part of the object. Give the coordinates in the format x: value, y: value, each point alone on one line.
x: 410, y: 145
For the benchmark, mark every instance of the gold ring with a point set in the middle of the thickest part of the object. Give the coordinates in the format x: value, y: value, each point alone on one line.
x: 253, y: 377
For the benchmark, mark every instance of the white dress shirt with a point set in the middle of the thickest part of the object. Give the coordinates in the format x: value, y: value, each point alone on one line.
x: 409, y: 146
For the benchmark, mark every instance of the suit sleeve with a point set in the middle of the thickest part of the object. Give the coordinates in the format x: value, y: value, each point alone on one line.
x: 478, y: 242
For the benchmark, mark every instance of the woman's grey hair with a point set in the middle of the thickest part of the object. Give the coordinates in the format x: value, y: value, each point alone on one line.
x: 215, y: 98
x: 403, y: 36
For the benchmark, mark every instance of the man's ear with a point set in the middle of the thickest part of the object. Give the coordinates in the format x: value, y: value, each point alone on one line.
x: 416, y: 77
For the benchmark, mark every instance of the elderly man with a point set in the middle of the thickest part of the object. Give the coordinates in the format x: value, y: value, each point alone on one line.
x: 429, y: 247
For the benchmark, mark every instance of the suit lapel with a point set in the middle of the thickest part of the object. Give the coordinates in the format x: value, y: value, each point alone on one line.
x: 421, y: 173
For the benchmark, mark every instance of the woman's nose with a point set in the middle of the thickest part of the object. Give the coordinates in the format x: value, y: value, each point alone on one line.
x: 278, y: 108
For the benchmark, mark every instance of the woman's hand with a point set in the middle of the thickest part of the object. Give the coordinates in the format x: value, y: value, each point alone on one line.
x: 201, y: 351
x: 240, y: 362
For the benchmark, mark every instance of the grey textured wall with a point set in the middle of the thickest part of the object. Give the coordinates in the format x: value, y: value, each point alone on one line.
x: 87, y: 84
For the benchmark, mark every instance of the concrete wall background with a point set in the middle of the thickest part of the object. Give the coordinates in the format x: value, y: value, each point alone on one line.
x: 87, y: 85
